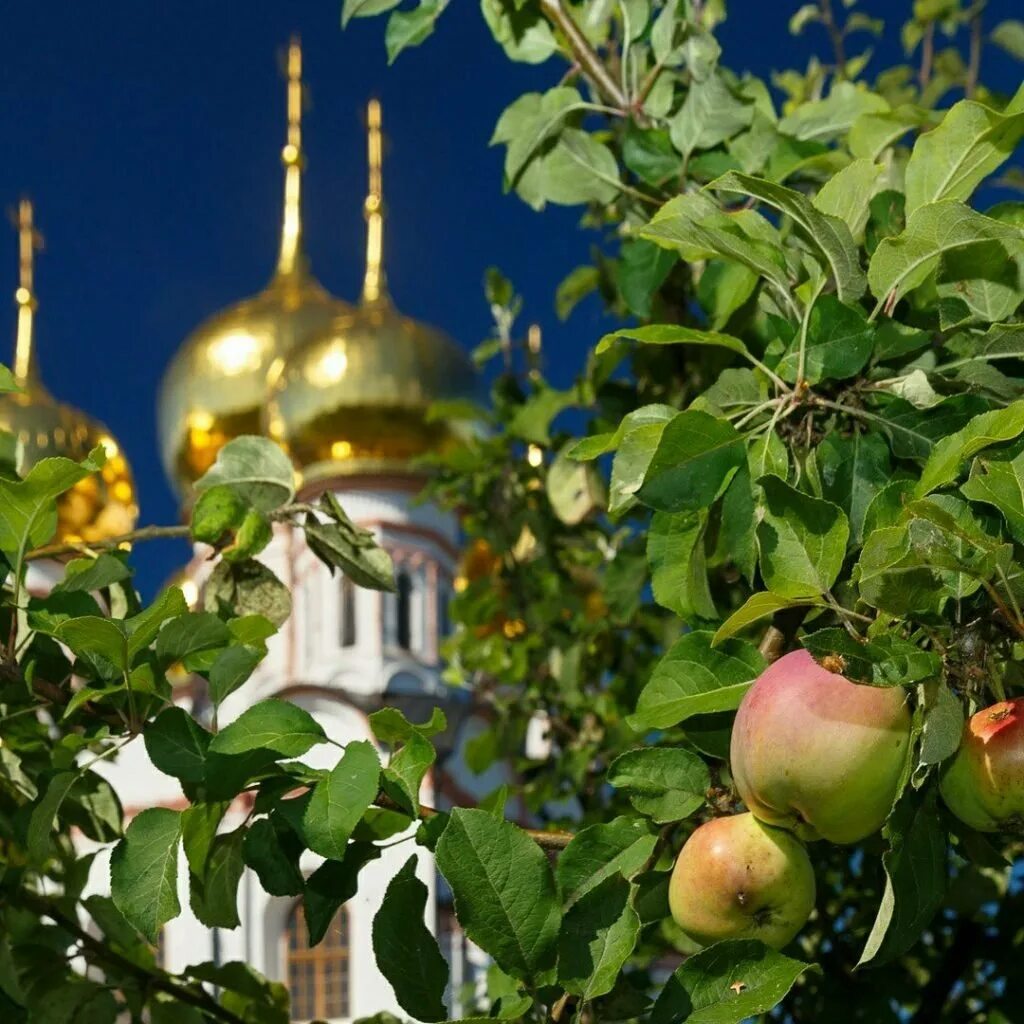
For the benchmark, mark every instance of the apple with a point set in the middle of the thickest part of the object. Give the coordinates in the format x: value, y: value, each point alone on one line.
x: 736, y: 878
x: 984, y: 784
x: 815, y: 753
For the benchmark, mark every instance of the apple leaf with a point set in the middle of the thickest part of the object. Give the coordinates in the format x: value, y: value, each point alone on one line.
x: 886, y: 660
x: 1000, y: 484
x: 504, y: 889
x: 801, y: 540
x: 756, y: 607
x: 694, y: 678
x: 333, y: 884
x: 256, y: 469
x: 144, y: 870
x: 696, y: 457
x: 915, y: 877
x: 598, y: 934
x: 727, y: 983
x: 406, y: 950
x: 666, y: 783
x: 675, y: 553
x: 277, y: 726
x: 338, y: 802
x: 618, y: 847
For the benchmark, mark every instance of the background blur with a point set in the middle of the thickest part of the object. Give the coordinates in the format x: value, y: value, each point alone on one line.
x: 150, y: 135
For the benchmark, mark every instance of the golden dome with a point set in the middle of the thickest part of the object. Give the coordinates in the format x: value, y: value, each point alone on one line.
x: 215, y: 386
x: 353, y: 398
x: 102, y: 505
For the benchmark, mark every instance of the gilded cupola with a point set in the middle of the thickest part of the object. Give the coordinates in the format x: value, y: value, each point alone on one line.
x: 215, y: 386
x: 102, y: 505
x: 353, y: 398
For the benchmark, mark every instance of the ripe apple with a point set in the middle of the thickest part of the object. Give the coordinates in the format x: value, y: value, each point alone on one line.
x: 984, y: 784
x: 736, y: 878
x: 817, y: 754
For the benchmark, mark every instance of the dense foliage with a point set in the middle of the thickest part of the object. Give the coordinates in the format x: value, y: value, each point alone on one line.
x: 812, y: 435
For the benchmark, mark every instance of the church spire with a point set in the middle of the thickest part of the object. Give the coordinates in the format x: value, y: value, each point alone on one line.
x: 29, y: 241
x: 292, y: 158
x: 374, y: 284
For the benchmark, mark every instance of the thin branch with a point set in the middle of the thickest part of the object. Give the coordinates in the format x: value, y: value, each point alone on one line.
x: 583, y: 53
x: 835, y: 33
x: 110, y: 543
x: 924, y: 76
x: 193, y: 995
x: 974, y: 60
x: 545, y: 840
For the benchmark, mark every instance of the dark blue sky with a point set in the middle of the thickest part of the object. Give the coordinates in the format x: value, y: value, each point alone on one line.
x: 149, y: 136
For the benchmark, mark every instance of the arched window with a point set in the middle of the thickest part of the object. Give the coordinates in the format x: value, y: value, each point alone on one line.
x: 347, y: 621
x: 403, y: 610
x: 318, y: 976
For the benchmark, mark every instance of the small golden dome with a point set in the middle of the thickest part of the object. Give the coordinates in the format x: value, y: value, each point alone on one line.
x: 102, y: 505
x: 215, y: 386
x: 354, y: 397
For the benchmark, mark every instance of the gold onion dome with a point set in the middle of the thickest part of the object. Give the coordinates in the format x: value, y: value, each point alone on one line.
x: 215, y: 386
x: 354, y: 397
x: 103, y: 504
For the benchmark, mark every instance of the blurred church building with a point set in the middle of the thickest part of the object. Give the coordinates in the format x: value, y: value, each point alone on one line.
x: 344, y: 388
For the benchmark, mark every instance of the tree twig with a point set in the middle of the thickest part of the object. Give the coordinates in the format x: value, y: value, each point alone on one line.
x: 193, y: 995
x: 835, y: 33
x: 974, y: 60
x: 555, y: 840
x: 583, y: 53
x: 927, y: 55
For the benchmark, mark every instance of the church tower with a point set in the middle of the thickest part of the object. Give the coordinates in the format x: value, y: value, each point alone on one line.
x: 345, y: 390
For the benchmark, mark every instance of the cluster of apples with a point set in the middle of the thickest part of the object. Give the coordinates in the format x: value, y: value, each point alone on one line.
x: 815, y: 756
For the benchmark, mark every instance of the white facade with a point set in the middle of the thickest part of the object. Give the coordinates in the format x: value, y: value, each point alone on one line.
x: 344, y: 652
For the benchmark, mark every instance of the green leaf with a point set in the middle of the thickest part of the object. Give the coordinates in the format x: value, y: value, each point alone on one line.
x: 188, y: 633
x: 847, y: 195
x: 598, y: 934
x: 620, y: 847
x: 504, y: 890
x: 665, y: 783
x: 839, y: 343
x: 853, y: 470
x: 599, y: 444
x: 272, y: 725
x: 521, y: 32
x: 406, y: 951
x: 256, y: 469
x: 675, y: 553
x: 673, y: 334
x: 28, y: 508
x: 340, y: 544
x: 232, y: 667
x: 710, y: 114
x: 694, y: 226
x: 144, y: 870
x: 756, y: 607
x: 85, y: 575
x: 727, y: 983
x: 826, y: 234
x: 273, y: 851
x: 364, y: 9
x: 632, y: 460
x: 723, y: 289
x: 333, y: 884
x: 528, y: 122
x: 801, y: 541
x: 695, y: 678
x: 1000, y: 483
x: 640, y: 272
x: 177, y: 745
x: 214, y: 894
x: 1009, y: 36
x: 827, y: 118
x: 970, y: 142
x: 44, y: 815
x: 199, y: 825
x: 247, y: 588
x: 649, y: 154
x: 696, y: 457
x: 943, y: 726
x: 91, y: 636
x: 915, y: 877
x: 410, y: 28
x: 872, y: 133
x: 339, y: 801
x: 949, y: 454
x: 885, y: 660
x: 901, y: 263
